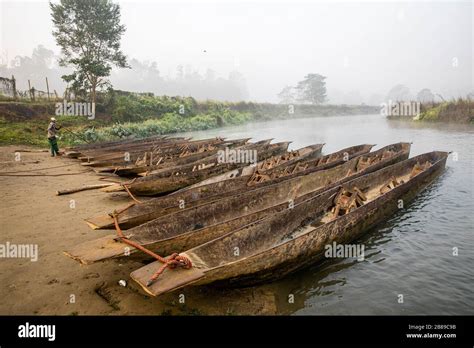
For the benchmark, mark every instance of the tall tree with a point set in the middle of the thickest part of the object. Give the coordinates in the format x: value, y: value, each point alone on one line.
x: 88, y: 33
x: 287, y: 95
x: 312, y: 89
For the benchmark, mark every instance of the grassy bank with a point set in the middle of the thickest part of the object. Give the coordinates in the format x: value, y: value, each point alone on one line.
x: 121, y: 115
x: 457, y: 111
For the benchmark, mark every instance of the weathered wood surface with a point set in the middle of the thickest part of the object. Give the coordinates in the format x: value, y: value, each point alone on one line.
x: 201, y: 194
x: 108, y: 144
x: 105, y: 221
x: 180, y: 159
x: 104, y: 148
x: 305, y: 153
x: 168, y: 151
x: 295, y: 238
x: 172, y: 179
x: 174, y: 232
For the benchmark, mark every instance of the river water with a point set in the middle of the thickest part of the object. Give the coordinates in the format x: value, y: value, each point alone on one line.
x: 412, y: 254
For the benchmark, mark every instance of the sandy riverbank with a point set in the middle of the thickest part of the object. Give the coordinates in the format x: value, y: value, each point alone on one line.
x: 31, y: 213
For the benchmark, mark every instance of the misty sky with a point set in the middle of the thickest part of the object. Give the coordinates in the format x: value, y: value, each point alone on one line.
x: 365, y: 47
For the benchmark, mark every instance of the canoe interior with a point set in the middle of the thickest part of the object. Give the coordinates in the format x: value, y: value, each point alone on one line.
x: 259, y: 146
x: 212, y: 192
x: 193, y: 196
x: 305, y: 153
x: 237, y: 183
x: 173, y: 179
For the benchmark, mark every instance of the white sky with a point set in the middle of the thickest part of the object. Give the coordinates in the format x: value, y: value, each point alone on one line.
x: 364, y: 46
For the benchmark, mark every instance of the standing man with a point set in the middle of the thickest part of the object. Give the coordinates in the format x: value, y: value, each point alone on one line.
x: 52, y: 129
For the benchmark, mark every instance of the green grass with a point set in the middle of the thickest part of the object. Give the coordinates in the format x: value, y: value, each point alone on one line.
x: 167, y: 124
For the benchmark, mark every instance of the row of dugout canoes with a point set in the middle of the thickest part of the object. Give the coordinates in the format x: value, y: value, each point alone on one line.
x: 278, y: 213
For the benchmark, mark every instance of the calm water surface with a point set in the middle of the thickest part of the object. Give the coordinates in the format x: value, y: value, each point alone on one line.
x: 411, y: 253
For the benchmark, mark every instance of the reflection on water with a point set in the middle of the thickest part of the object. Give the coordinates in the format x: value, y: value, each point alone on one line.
x: 411, y: 254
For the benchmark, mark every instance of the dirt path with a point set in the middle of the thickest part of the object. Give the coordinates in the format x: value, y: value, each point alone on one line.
x: 31, y: 213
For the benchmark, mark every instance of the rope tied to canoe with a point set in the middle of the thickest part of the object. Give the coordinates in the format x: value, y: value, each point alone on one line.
x: 124, y: 185
x: 173, y: 261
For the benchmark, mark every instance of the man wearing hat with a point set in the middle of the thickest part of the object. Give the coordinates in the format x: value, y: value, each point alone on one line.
x: 52, y: 129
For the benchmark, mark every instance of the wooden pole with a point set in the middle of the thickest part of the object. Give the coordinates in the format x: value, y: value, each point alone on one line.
x: 83, y: 188
x: 29, y: 88
x: 14, y: 87
x: 47, y: 87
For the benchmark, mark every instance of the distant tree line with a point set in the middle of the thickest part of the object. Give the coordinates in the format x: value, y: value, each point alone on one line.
x: 144, y: 76
x: 312, y: 90
x: 403, y: 93
x: 89, y: 34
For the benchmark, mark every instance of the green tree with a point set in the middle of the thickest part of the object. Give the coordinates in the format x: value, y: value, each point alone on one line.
x: 312, y: 89
x: 88, y: 33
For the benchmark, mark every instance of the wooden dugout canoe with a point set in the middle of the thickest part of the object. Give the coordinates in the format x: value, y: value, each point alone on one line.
x: 112, y: 143
x: 295, y: 238
x: 168, y: 148
x: 186, y: 157
x: 189, y: 227
x: 232, y: 182
x: 172, y: 179
x: 166, y: 151
x: 120, y: 145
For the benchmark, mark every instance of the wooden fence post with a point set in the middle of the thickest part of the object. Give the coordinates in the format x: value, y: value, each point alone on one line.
x: 47, y: 87
x: 29, y: 88
x: 14, y: 87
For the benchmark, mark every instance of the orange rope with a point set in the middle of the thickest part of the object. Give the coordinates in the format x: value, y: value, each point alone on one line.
x: 172, y: 262
x: 118, y: 212
x: 130, y: 194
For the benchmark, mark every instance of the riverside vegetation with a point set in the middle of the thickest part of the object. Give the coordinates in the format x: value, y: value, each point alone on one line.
x: 460, y: 110
x: 124, y: 114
